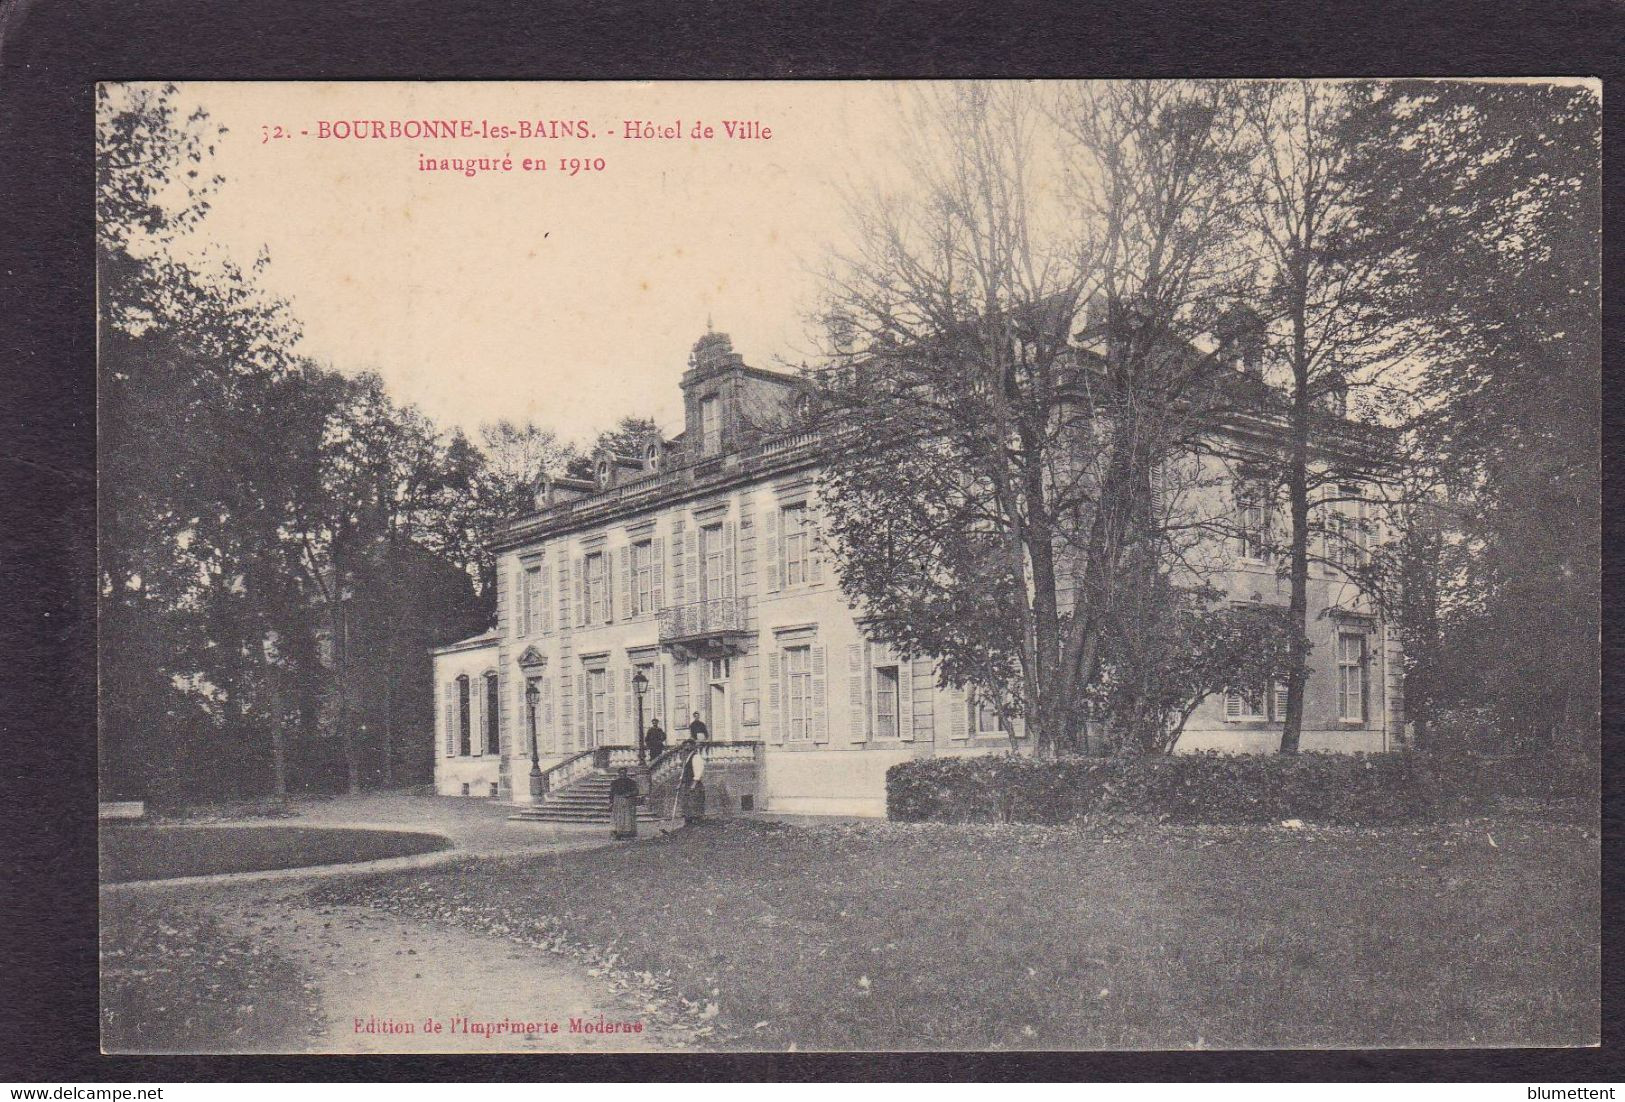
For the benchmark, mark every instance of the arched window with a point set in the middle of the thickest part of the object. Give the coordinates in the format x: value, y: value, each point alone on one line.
x: 493, y: 703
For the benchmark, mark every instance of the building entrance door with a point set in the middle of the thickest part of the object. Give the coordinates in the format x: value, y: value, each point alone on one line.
x: 717, y: 712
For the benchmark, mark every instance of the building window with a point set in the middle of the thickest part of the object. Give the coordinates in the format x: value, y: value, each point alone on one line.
x: 798, y: 692
x: 597, y: 588
x: 531, y: 608
x: 1348, y: 530
x: 720, y: 669
x: 643, y: 578
x: 493, y: 707
x: 796, y: 538
x: 1359, y: 532
x: 1264, y: 704
x: 984, y: 717
x: 886, y: 702
x: 1253, y: 521
x: 464, y: 717
x: 711, y: 425
x: 711, y: 554
x: 1351, y: 679
x: 597, y: 706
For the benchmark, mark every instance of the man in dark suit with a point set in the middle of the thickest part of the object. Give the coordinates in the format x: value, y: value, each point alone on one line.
x: 654, y: 740
x: 698, y: 731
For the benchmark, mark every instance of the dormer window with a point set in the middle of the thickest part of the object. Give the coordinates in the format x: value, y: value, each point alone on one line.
x: 651, y: 458
x: 710, y: 425
x: 603, y: 474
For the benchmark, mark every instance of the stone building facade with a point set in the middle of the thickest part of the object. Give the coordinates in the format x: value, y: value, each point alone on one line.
x: 696, y: 563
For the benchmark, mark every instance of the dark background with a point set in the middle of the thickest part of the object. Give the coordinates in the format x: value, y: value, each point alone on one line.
x: 52, y: 53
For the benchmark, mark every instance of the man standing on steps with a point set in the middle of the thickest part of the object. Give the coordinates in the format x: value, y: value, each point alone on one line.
x: 654, y: 740
x: 623, y: 807
x: 698, y: 731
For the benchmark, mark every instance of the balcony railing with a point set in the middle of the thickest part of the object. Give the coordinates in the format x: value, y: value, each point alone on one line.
x: 720, y: 616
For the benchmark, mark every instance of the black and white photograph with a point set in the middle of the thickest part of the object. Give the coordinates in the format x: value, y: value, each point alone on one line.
x: 848, y: 566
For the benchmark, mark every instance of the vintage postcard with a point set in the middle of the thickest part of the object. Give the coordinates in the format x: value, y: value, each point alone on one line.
x: 848, y: 566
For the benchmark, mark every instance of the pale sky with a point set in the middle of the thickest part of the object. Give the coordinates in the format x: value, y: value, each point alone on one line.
x: 569, y: 301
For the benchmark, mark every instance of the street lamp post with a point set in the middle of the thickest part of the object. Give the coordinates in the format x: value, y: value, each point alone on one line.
x: 532, y: 693
x: 640, y: 685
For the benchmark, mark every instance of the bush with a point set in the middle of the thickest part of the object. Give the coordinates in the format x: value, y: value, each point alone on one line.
x: 1217, y: 788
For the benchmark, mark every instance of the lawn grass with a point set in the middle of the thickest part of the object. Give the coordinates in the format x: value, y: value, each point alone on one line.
x: 153, y: 853
x: 174, y: 980
x: 894, y: 936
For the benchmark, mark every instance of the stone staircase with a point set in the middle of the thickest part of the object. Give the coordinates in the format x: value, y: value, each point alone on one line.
x: 585, y: 801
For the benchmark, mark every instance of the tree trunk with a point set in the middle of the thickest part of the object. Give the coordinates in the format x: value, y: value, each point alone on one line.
x: 1298, y: 501
x: 279, y: 751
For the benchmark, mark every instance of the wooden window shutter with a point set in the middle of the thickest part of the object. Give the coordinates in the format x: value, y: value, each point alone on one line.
x: 627, y: 609
x: 1280, y: 701
x: 546, y: 702
x: 560, y: 738
x: 905, y: 699
x: 959, y: 708
x: 820, y: 697
x: 451, y: 719
x: 631, y: 706
x: 770, y: 549
x: 476, y: 716
x: 691, y: 567
x: 925, y: 717
x: 583, y: 710
x: 607, y: 736
x: 674, y: 585
x: 775, y: 697
x: 730, y: 568
x: 1232, y: 704
x: 564, y: 594
x: 523, y: 714
x: 659, y: 696
x: 857, y: 726
x: 581, y: 592
x: 657, y: 569
x: 544, y: 600
x: 517, y: 605
x: 815, y: 550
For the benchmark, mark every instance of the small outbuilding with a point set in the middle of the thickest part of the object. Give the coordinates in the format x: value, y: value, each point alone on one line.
x: 467, y: 709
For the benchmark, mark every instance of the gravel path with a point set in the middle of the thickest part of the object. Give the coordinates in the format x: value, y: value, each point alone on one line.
x: 368, y: 975
x: 371, y: 970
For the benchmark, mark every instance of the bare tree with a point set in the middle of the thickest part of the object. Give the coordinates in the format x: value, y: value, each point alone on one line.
x: 1317, y: 291
x: 1013, y: 353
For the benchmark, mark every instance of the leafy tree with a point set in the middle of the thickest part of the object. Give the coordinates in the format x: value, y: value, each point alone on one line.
x: 187, y: 498
x: 224, y: 560
x: 1487, y: 197
x: 627, y: 438
x: 1168, y: 649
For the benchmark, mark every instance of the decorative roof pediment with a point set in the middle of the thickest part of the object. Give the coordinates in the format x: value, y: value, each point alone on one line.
x: 531, y: 658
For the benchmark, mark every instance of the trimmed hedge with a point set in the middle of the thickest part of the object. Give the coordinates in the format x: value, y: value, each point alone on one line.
x: 1221, y: 788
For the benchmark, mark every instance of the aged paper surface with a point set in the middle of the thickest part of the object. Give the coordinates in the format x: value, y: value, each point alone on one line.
x: 667, y: 567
